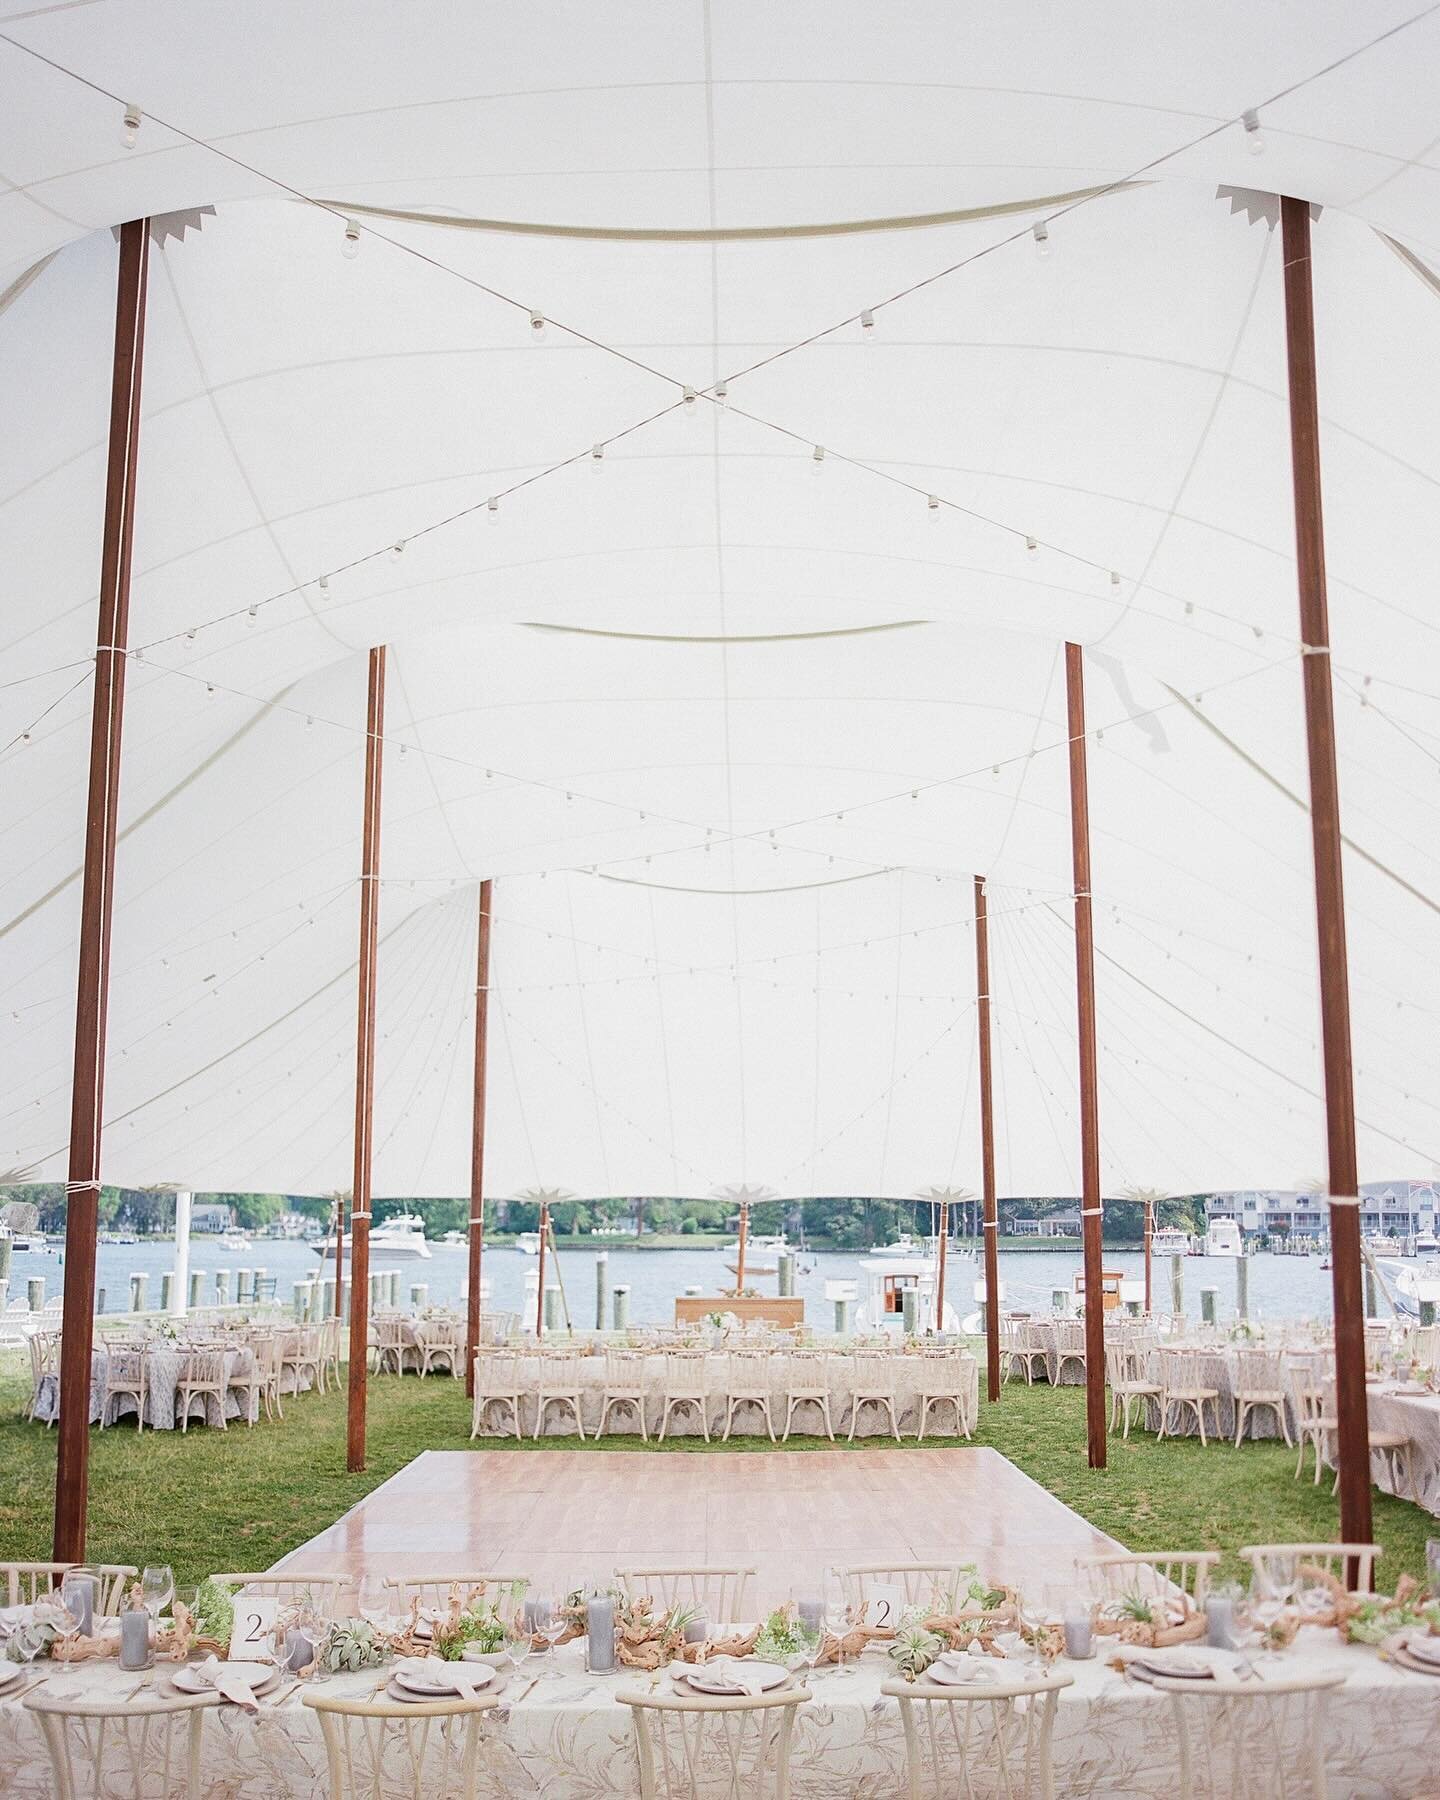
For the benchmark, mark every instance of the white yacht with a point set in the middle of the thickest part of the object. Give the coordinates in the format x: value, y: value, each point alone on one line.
x: 1223, y: 1239
x: 888, y: 1273
x: 1169, y: 1240
x: 401, y: 1239
x: 234, y: 1240
x: 1410, y: 1282
x: 528, y: 1243
x: 757, y: 1250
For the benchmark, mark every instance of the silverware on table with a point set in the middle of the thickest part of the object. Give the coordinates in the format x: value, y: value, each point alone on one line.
x: 525, y: 1695
x: 283, y: 1694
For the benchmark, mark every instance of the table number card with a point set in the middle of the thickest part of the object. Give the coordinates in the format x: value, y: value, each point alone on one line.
x: 254, y: 1621
x: 884, y: 1603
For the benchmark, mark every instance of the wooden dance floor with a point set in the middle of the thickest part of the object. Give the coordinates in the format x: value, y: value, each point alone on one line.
x: 560, y: 1517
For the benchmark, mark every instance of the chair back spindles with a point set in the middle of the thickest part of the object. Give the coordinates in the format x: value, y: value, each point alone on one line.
x: 1242, y: 1740
x: 399, y: 1751
x: 993, y: 1740
x: 113, y: 1750
x: 698, y: 1747
x: 721, y: 1591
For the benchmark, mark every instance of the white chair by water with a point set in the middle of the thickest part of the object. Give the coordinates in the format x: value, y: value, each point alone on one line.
x: 748, y: 1384
x: 685, y: 1387
x: 699, y: 1747
x: 966, y: 1742
x: 1069, y: 1347
x: 1130, y: 1386
x: 497, y: 1383
x: 719, y: 1590
x: 1153, y: 1573
x: 873, y: 1379
x: 256, y: 1378
x: 624, y: 1387
x: 1247, y: 1740
x: 426, y: 1751
x: 559, y: 1385
x: 126, y: 1378
x: 44, y: 1363
x: 1183, y: 1389
x: 441, y: 1341
x: 202, y: 1377
x: 1333, y: 1559
x: 944, y: 1377
x: 142, y: 1749
x: 1020, y: 1347
x: 1259, y: 1381
x: 1313, y: 1420
x: 807, y: 1383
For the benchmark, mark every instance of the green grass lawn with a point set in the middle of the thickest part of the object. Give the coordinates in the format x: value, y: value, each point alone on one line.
x: 241, y: 1499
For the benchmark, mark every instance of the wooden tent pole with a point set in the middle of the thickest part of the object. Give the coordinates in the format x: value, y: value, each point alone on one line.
x: 477, y: 1136
x: 82, y: 1209
x: 540, y: 1271
x: 1089, y: 1087
x: 940, y: 1266
x: 365, y: 1064
x: 987, y: 1145
x: 1345, y: 1248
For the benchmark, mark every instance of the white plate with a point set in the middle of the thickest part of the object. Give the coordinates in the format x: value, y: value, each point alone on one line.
x: 1423, y: 1647
x: 416, y: 1679
x: 1181, y: 1662
x: 190, y: 1679
x: 9, y: 1672
x: 708, y: 1681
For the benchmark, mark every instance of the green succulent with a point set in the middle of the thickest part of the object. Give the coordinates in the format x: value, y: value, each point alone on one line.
x: 782, y: 1638
x: 215, y: 1610
x: 353, y: 1644
x: 1134, y: 1606
x: 913, y: 1649
x: 481, y: 1626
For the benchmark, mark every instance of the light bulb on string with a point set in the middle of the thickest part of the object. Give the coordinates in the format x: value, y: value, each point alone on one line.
x: 817, y: 459
x: 597, y: 458
x: 688, y: 397
x: 1032, y: 548
x: 867, y: 323
x: 323, y: 585
x: 130, y: 125
x: 932, y: 506
x: 492, y: 505
x: 251, y: 614
x: 537, y: 327
x: 350, y: 247
x: 1114, y: 578
x: 722, y: 392
x: 1254, y: 141
x: 1041, y: 233
x: 397, y: 549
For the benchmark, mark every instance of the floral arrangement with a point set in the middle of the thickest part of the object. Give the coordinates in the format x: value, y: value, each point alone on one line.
x: 783, y: 1639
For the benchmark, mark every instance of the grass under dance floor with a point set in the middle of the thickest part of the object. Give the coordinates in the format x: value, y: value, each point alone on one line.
x: 242, y: 1499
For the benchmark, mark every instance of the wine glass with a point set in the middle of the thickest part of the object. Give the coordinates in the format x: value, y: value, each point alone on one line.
x: 838, y: 1621
x: 519, y: 1635
x: 551, y: 1624
x: 1285, y: 1576
x: 373, y: 1599
x: 157, y: 1589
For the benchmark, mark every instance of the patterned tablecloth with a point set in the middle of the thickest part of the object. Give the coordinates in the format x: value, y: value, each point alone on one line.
x: 571, y: 1739
x: 1418, y: 1417
x: 840, y: 1377
x: 162, y: 1394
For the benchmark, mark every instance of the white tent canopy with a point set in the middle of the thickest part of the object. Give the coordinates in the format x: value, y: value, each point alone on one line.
x: 731, y: 727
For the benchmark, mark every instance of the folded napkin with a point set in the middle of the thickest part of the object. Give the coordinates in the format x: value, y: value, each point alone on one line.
x: 959, y: 1665
x: 226, y: 1684
x: 465, y: 1679
x: 739, y: 1674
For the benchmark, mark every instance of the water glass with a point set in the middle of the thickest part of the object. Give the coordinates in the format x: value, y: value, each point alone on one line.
x: 157, y: 1589
x: 551, y: 1624
x: 838, y: 1621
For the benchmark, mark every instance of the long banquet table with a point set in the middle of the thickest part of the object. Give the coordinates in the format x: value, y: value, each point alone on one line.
x: 571, y: 1739
x: 163, y: 1363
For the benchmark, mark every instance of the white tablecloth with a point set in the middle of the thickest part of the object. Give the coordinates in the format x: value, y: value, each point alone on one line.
x: 571, y: 1740
x: 1418, y: 1417
x: 840, y: 1377
x: 162, y: 1390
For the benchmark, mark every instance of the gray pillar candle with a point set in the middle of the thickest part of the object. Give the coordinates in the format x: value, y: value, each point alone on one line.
x: 135, y: 1639
x: 528, y: 1612
x: 35, y: 1292
x: 620, y: 1308
x: 1220, y: 1621
x: 1079, y: 1633
x: 299, y: 1650
x: 811, y: 1613
x: 697, y: 1629
x: 600, y: 1634
x: 167, y: 1291
x: 80, y: 1604
x: 196, y: 1277
x: 602, y: 1286
x: 1177, y: 1284
x: 1208, y: 1297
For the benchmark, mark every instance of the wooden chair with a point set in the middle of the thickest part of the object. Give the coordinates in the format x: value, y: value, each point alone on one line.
x: 1153, y: 1572
x: 932, y: 1584
x: 441, y: 1340
x: 1181, y: 1387
x: 203, y: 1378
x: 624, y: 1387
x: 25, y: 1582
x: 1313, y: 1420
x: 1069, y: 1347
x: 1130, y: 1387
x: 685, y: 1386
x: 497, y: 1383
x: 694, y: 1746
x: 807, y: 1383
x: 330, y: 1334
x: 1018, y: 1347
x: 44, y: 1363
x: 142, y: 1749
x: 719, y: 1590
x: 1247, y: 1740
x: 748, y: 1384
x: 125, y: 1378
x: 322, y: 1592
x: 391, y: 1747
x: 944, y: 1377
x: 873, y: 1378
x: 978, y: 1740
x: 1259, y: 1381
x: 1332, y: 1558
x: 434, y: 1592
x: 559, y: 1385
x: 256, y: 1378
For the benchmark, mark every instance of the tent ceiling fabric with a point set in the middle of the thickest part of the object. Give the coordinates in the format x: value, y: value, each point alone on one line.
x: 731, y: 815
